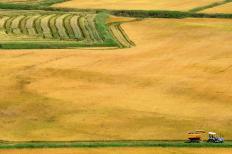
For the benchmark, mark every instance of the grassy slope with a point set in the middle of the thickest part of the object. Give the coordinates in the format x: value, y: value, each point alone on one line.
x: 173, y: 81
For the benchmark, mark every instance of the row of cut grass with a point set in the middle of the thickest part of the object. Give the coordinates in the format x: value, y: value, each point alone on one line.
x: 60, y: 26
x: 53, y: 27
x: 68, y: 27
x: 76, y: 27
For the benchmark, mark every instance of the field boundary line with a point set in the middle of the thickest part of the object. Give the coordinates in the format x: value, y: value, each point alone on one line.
x: 109, y: 143
x: 212, y: 5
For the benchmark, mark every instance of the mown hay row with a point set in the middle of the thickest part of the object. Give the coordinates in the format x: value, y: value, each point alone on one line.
x: 22, y: 25
x: 74, y: 22
x: 3, y: 22
x: 38, y: 27
x: 89, y: 29
x: 30, y: 25
x: 8, y: 24
x: 15, y: 25
x: 88, y: 37
x: 54, y: 30
x: 60, y: 26
x: 119, y: 36
x: 91, y: 23
x: 68, y: 27
x: 46, y: 27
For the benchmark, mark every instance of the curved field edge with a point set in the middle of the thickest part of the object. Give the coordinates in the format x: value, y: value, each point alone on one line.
x: 99, y: 144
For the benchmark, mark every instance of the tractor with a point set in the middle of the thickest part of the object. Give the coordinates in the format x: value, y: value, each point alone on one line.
x: 195, y: 136
x: 213, y: 138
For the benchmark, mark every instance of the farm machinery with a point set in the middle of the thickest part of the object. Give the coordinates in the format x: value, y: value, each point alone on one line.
x: 213, y: 138
x: 197, y: 135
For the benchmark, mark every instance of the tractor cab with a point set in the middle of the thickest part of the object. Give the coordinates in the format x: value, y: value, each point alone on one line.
x: 214, y: 138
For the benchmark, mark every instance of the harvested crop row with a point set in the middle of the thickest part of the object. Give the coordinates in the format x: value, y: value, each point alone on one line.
x: 60, y: 26
x: 68, y: 27
x: 3, y: 22
x: 84, y: 29
x: 30, y: 25
x: 8, y: 24
x: 22, y: 25
x: 54, y: 30
x: 46, y: 27
x: 16, y: 25
x: 120, y: 36
x: 74, y: 22
x: 89, y: 29
x: 91, y: 22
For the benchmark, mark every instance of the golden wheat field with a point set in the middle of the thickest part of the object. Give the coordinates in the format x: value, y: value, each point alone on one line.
x: 136, y: 4
x: 176, y: 79
x: 122, y: 151
x: 226, y: 8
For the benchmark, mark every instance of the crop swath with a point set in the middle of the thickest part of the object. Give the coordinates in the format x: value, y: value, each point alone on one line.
x: 120, y: 35
x: 60, y: 26
x: 3, y: 22
x: 30, y: 25
x: 75, y: 25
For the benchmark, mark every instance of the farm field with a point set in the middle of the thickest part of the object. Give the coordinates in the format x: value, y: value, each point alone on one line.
x: 136, y: 4
x: 131, y: 93
x: 122, y: 151
x: 226, y: 8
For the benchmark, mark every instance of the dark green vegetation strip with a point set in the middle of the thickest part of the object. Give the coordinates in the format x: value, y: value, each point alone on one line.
x: 167, y: 14
x: 215, y: 4
x: 96, y: 144
x: 48, y: 45
x: 30, y: 6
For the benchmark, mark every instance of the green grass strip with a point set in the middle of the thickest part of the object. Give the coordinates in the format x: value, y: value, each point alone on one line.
x: 215, y: 4
x: 167, y: 14
x: 104, y: 30
x: 48, y: 44
x: 102, y: 144
x: 30, y: 6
